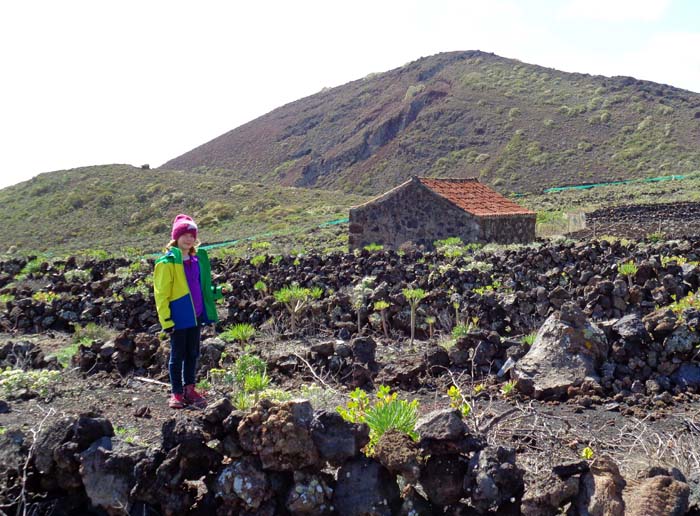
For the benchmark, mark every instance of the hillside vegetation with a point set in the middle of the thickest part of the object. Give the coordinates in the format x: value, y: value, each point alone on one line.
x: 114, y: 207
x: 516, y: 126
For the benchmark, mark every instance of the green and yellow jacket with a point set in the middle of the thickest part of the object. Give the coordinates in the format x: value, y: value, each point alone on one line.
x: 172, y: 293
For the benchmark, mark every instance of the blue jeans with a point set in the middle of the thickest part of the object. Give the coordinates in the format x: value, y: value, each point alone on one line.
x: 184, y: 351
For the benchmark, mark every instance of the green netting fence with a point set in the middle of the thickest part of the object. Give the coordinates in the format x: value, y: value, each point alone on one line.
x: 612, y: 183
x: 227, y: 243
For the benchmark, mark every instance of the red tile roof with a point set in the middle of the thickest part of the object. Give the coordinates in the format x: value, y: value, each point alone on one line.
x: 474, y: 197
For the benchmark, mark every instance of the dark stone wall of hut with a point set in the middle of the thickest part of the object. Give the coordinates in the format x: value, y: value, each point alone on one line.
x: 514, y: 229
x: 412, y: 214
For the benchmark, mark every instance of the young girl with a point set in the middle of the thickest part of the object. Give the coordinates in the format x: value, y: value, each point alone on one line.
x: 185, y: 300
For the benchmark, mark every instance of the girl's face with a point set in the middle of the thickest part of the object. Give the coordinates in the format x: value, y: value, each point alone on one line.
x: 185, y: 242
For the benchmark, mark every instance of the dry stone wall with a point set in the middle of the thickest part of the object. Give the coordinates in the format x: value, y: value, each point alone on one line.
x: 504, y: 229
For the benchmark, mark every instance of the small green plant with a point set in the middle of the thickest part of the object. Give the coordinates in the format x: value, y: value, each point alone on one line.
x: 246, y: 365
x: 127, y: 434
x: 3, y: 430
x: 223, y: 377
x: 508, y: 388
x: 359, y: 294
x: 260, y: 245
x: 78, y: 275
x: 450, y: 248
x: 627, y: 269
x: 89, y: 333
x: 678, y: 260
x: 258, y: 260
x: 204, y: 384
x: 494, y: 286
x: 529, y: 339
x: 587, y: 453
x: 242, y: 401
x: 462, y: 330
x: 386, y: 413
x: 655, y: 237
x: 414, y: 296
x: 458, y: 401
x: 65, y: 355
x: 430, y: 321
x: 381, y: 307
x: 261, y: 287
x: 45, y: 297
x: 296, y: 299
x: 373, y: 247
x: 37, y: 380
x: 6, y: 298
x: 241, y: 332
x: 32, y: 267
x: 249, y: 376
x: 689, y: 301
x: 479, y: 388
x: 255, y: 383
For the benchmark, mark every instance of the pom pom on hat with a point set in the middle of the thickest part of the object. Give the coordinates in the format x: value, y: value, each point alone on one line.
x: 183, y: 224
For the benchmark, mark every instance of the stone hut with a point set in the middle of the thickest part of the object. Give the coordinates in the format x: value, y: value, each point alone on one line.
x: 424, y: 209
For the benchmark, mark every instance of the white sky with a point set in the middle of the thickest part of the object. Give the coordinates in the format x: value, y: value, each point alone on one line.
x: 96, y: 82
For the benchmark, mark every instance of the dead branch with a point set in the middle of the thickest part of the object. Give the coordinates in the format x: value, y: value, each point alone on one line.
x: 314, y: 374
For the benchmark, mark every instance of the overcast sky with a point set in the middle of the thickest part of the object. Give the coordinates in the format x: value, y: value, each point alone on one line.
x: 96, y: 82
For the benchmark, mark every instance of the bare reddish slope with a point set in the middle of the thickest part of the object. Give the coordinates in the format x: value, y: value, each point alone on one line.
x: 516, y: 126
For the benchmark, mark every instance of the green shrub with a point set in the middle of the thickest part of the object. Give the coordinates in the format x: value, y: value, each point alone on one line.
x: 258, y: 260
x: 260, y: 286
x: 462, y: 329
x: 529, y: 339
x: 45, y: 297
x: 296, y: 299
x: 65, y: 354
x: 241, y: 332
x: 89, y: 333
x: 458, y: 401
x: 386, y: 413
x: 414, y: 296
x: 508, y: 388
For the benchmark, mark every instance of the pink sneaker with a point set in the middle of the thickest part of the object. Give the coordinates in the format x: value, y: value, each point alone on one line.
x: 177, y: 401
x: 194, y: 398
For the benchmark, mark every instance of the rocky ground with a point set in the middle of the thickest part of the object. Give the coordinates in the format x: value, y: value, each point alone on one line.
x: 603, y: 415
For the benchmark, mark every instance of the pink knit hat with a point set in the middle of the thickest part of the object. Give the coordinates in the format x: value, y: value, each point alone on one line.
x: 183, y: 224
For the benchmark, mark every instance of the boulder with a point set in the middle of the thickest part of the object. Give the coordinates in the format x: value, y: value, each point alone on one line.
x: 660, y: 494
x: 444, y: 432
x: 108, y: 474
x: 566, y: 352
x: 547, y: 496
x: 631, y: 328
x: 364, y: 349
x: 365, y: 488
x: 280, y: 434
x: 601, y: 489
x: 681, y: 340
x: 337, y: 440
x: 443, y: 479
x: 494, y: 479
x: 687, y: 375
